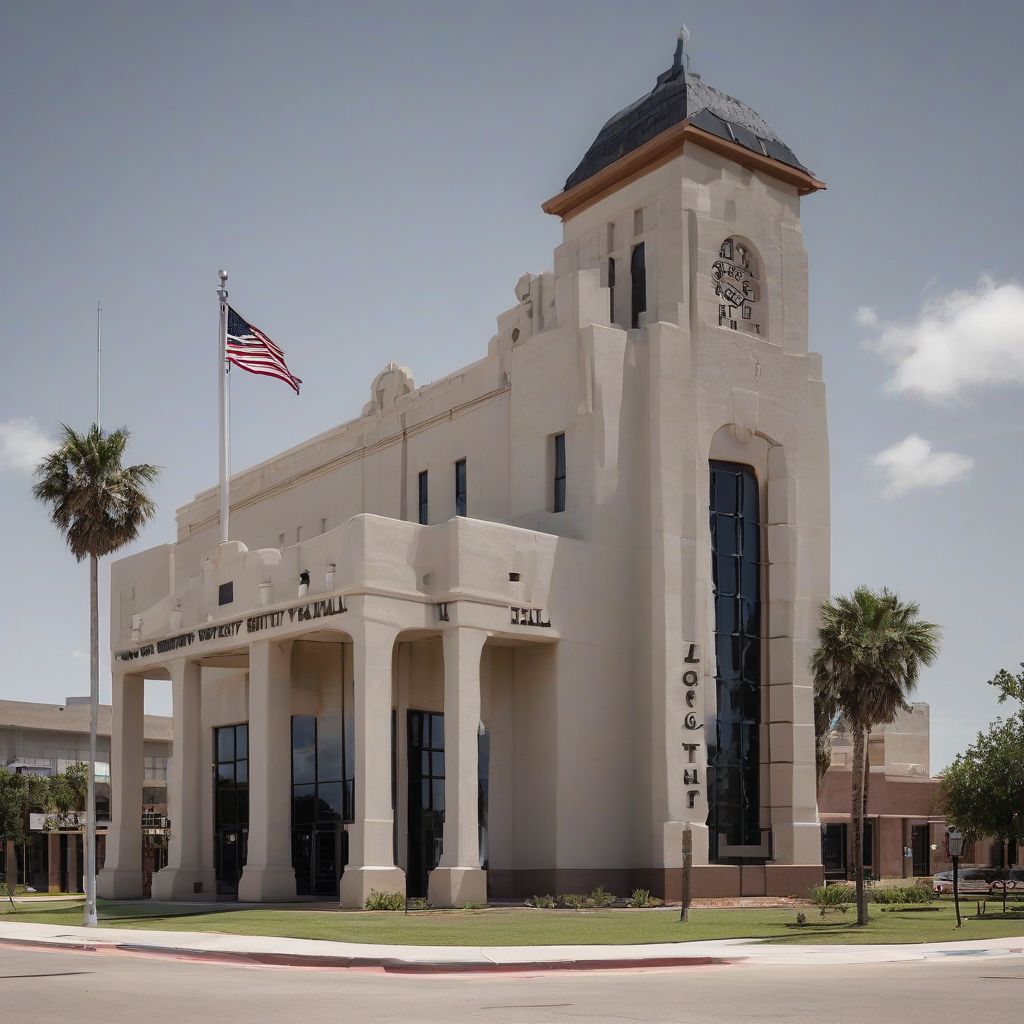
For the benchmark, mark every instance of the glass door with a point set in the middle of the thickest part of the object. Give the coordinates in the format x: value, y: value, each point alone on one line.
x: 919, y: 849
x: 426, y: 797
x: 231, y: 806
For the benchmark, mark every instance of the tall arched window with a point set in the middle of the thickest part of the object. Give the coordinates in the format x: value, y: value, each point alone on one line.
x: 734, y: 790
x: 738, y: 287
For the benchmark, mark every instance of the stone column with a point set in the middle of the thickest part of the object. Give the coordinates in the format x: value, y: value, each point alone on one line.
x: 458, y: 879
x: 121, y: 877
x: 268, y: 875
x: 184, y: 878
x: 371, y: 859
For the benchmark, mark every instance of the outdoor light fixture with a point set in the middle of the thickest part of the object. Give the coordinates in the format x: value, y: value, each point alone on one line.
x: 330, y: 575
x: 303, y: 583
x: 955, y: 843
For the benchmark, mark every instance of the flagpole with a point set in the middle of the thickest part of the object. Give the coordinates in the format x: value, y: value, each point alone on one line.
x: 225, y: 411
x: 99, y: 356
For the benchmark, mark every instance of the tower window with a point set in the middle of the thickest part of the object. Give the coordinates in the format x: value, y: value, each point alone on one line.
x: 423, y: 513
x: 638, y: 222
x: 611, y: 290
x: 559, y: 465
x: 638, y: 273
x: 460, y: 487
x: 734, y: 754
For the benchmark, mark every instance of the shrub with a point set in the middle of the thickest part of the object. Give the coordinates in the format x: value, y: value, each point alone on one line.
x: 600, y: 897
x: 385, y: 900
x: 417, y: 903
x: 574, y: 901
x: 889, y: 895
x: 543, y: 902
x: 474, y: 906
x: 640, y: 898
x: 830, y: 897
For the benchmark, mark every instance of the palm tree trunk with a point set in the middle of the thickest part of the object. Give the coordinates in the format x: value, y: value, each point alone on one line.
x: 94, y: 704
x: 857, y: 821
x: 867, y: 779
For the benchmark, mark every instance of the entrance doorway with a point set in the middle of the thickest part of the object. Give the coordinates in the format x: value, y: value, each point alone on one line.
x: 919, y: 848
x: 231, y: 806
x: 318, y: 856
x: 426, y: 797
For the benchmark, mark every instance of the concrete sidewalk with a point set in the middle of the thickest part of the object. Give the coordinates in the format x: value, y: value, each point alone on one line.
x: 272, y: 950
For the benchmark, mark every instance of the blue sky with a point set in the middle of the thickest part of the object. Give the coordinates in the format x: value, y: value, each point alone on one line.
x: 371, y: 175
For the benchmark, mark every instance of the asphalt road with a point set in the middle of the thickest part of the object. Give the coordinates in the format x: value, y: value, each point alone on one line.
x: 90, y: 988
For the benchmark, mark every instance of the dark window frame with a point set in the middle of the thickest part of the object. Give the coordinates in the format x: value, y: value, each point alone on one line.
x: 461, y: 487
x: 734, y: 771
x: 559, y: 474
x: 611, y: 289
x: 638, y: 284
x: 423, y: 497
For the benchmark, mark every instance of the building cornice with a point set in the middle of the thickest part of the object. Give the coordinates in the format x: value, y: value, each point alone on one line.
x: 658, y: 151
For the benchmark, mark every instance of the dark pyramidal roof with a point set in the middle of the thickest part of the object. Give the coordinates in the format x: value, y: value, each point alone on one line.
x: 679, y: 96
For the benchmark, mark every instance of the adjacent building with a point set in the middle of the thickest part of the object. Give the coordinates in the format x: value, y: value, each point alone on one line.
x: 535, y: 626
x: 905, y: 831
x: 46, y: 739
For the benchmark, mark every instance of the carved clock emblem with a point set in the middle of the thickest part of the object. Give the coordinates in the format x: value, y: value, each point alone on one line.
x: 737, y: 287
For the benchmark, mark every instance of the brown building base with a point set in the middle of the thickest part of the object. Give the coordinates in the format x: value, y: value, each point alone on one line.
x: 721, y: 880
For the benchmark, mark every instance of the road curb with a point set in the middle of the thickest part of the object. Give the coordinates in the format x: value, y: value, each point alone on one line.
x: 388, y: 965
x: 393, y: 965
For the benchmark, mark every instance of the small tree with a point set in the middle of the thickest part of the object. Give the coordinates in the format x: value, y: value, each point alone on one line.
x: 871, y: 648
x: 982, y: 791
x: 98, y: 505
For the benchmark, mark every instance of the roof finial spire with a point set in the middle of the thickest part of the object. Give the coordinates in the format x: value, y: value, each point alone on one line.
x: 681, y: 40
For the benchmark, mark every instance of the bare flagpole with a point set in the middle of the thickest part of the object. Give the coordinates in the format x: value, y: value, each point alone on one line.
x: 89, y: 917
x: 223, y: 368
x: 99, y: 351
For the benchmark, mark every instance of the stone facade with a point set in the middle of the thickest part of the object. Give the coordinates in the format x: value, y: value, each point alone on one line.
x: 576, y: 642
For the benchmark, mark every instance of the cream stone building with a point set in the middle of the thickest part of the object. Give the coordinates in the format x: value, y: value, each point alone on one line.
x: 523, y: 629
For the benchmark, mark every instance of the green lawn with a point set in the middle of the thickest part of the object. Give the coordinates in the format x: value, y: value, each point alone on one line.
x: 521, y: 927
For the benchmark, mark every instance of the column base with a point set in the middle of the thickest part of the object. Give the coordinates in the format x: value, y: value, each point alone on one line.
x: 188, y: 884
x: 119, y: 884
x: 356, y: 883
x: 455, y: 887
x: 266, y: 885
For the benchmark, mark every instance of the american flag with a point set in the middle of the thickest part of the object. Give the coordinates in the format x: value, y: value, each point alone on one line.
x: 250, y: 349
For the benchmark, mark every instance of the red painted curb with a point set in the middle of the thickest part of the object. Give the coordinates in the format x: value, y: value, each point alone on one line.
x: 393, y: 966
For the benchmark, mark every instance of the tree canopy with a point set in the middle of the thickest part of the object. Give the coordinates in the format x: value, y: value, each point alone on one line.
x: 97, y: 504
x: 982, y: 791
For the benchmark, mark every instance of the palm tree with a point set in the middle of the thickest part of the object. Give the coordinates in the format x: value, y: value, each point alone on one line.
x: 871, y: 648
x: 98, y: 506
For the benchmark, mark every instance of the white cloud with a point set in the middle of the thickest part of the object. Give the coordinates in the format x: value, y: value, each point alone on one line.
x: 911, y: 464
x: 23, y: 444
x: 867, y: 317
x: 959, y: 341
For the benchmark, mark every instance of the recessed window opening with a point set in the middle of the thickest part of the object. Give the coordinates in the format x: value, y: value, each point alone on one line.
x: 638, y: 222
x: 638, y: 274
x: 558, y: 504
x: 611, y: 290
x: 460, y: 487
x: 424, y: 516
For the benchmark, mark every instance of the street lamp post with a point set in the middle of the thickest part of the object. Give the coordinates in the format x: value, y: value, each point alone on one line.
x: 955, y: 840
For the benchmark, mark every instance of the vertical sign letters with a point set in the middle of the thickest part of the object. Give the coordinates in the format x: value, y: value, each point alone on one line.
x: 691, y: 724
